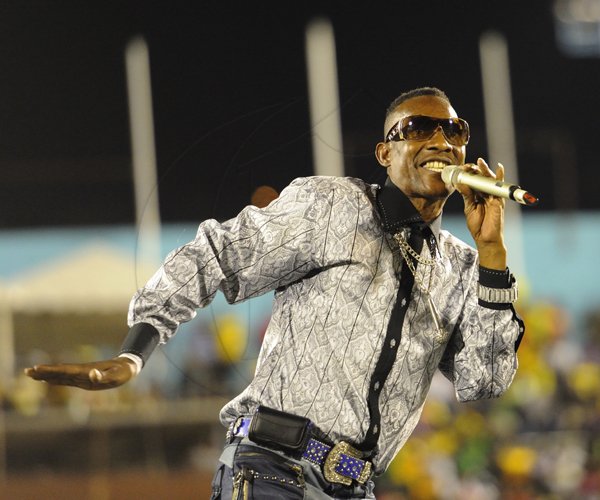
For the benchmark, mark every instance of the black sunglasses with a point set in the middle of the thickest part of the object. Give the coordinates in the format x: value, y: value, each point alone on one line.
x: 422, y: 128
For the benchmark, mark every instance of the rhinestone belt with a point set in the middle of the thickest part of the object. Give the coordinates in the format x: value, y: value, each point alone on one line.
x: 341, y: 463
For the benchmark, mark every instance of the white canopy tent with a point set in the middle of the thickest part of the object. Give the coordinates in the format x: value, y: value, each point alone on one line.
x: 95, y: 279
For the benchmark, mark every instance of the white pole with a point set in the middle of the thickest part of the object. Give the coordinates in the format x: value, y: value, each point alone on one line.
x: 325, y: 119
x: 495, y: 75
x: 145, y: 180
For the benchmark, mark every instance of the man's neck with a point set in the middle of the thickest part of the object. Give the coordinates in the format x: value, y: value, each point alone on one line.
x: 429, y: 209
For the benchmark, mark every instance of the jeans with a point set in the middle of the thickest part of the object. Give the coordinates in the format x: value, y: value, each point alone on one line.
x: 248, y: 471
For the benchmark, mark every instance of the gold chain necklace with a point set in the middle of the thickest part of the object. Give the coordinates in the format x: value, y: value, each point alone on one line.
x: 406, y: 250
x: 404, y: 245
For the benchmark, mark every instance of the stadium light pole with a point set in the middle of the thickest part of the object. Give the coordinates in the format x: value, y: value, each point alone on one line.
x: 145, y: 180
x: 321, y: 65
x: 499, y: 124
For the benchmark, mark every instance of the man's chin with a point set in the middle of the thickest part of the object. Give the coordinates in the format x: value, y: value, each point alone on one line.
x: 437, y: 189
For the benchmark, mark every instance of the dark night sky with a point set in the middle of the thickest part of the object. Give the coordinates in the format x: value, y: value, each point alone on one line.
x: 230, y: 99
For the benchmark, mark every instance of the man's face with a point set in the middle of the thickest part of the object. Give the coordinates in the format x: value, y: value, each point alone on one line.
x: 406, y: 160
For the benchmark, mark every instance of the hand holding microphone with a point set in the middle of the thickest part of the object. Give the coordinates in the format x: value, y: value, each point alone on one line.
x: 454, y: 175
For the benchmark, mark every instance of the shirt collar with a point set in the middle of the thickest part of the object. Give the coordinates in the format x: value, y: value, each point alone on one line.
x: 397, y: 211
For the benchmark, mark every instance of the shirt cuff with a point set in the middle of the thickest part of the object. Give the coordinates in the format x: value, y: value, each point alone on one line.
x: 139, y: 364
x: 496, y: 289
x: 493, y: 278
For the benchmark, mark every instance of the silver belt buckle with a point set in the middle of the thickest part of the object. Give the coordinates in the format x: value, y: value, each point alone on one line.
x: 333, y: 460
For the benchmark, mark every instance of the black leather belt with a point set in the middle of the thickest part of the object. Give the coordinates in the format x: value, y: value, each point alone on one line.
x: 340, y: 463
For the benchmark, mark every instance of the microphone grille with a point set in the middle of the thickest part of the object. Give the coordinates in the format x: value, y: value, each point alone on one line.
x: 448, y: 173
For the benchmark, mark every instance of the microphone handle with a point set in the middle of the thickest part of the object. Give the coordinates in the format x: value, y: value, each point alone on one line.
x: 455, y: 175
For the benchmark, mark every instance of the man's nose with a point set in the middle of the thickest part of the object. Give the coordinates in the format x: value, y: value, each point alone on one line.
x: 438, y: 140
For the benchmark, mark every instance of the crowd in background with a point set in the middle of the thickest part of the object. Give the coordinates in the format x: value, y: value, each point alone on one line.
x: 540, y: 440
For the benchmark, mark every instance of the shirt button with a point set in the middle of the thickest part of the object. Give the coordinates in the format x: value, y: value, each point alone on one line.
x: 393, y: 343
x: 375, y: 429
x: 376, y: 386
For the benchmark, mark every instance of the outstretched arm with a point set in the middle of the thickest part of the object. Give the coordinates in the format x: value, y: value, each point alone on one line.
x: 255, y: 252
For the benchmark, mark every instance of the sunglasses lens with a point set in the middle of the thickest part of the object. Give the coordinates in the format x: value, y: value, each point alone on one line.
x: 456, y: 131
x: 419, y: 128
x: 422, y: 128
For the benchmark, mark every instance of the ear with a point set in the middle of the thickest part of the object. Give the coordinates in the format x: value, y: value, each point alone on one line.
x: 383, y: 154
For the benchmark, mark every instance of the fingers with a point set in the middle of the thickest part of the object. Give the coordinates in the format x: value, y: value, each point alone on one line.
x: 480, y: 168
x: 484, y: 169
x: 53, y: 372
x: 500, y: 172
x: 62, y: 374
x: 90, y: 376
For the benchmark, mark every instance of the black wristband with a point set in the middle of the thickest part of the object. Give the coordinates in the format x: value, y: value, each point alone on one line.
x: 141, y: 340
x: 493, y: 278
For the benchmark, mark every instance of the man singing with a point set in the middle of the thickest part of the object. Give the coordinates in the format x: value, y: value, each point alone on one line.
x: 371, y: 297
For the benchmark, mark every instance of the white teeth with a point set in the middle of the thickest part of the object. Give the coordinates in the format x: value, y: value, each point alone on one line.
x: 436, y: 166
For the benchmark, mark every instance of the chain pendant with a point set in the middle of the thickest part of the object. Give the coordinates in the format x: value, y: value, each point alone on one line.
x: 440, y: 333
x: 407, y: 251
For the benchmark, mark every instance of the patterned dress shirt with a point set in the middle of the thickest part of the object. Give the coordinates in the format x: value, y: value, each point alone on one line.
x: 326, y: 247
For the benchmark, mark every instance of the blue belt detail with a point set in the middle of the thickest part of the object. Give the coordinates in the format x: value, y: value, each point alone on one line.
x: 340, y: 463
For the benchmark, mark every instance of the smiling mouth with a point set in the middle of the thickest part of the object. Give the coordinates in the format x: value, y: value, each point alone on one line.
x: 434, y: 166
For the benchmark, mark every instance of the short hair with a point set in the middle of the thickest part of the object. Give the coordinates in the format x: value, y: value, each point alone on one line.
x: 415, y: 93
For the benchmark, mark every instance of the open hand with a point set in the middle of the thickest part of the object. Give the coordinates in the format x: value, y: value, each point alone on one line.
x: 93, y: 376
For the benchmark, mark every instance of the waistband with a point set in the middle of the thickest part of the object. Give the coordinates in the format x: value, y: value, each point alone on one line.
x: 341, y: 463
